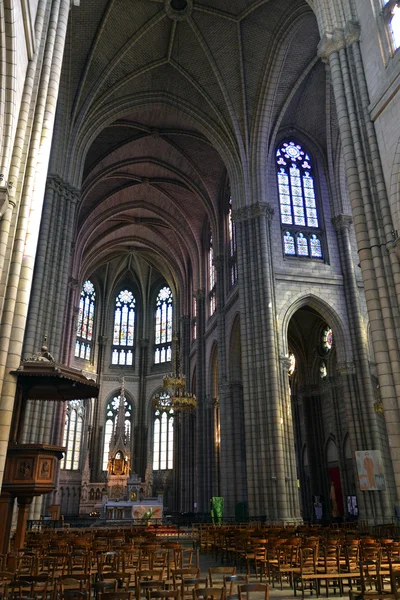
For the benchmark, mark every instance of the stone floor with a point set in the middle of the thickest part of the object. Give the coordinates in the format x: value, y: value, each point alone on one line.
x: 207, y: 561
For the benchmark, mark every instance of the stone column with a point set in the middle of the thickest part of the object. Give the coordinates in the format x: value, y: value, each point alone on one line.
x: 362, y: 420
x: 373, y: 228
x: 142, y: 426
x: 204, y: 491
x: 23, y: 252
x: 270, y: 485
x: 50, y: 283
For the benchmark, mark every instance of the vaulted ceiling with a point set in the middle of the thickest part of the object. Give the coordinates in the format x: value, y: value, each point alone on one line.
x: 169, y: 98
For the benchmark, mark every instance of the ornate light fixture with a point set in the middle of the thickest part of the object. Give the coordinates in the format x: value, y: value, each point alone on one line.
x: 175, y: 384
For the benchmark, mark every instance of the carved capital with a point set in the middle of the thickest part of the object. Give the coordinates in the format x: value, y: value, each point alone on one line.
x: 346, y: 368
x: 258, y: 209
x: 73, y: 283
x: 285, y: 363
x: 339, y: 38
x: 62, y: 188
x: 341, y: 222
x: 6, y: 199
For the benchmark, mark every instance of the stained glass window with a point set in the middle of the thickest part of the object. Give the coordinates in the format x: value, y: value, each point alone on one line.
x: 124, y: 329
x: 232, y: 246
x: 194, y: 319
x: 315, y: 246
x: 327, y: 339
x: 323, y: 371
x: 395, y: 25
x: 297, y: 201
x: 212, y: 298
x: 163, y: 435
x: 84, y: 329
x: 292, y: 366
x: 72, y: 440
x: 111, y: 421
x: 163, y: 327
x: 392, y: 18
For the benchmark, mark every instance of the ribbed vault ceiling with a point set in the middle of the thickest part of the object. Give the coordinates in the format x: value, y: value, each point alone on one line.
x: 165, y: 104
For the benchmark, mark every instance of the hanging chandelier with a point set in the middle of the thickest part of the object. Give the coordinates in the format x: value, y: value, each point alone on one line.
x: 175, y: 385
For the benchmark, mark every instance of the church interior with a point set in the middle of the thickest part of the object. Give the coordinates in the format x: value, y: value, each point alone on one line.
x: 199, y: 262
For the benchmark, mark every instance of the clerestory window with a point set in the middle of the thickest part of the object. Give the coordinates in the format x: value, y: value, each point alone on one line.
x: 84, y: 329
x: 124, y: 329
x: 301, y: 230
x: 391, y: 15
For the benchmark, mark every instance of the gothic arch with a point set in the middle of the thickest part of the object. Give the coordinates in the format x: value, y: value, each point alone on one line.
x: 219, y: 138
x: 328, y: 312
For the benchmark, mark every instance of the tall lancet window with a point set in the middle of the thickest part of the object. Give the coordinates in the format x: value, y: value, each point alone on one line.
x: 84, y: 330
x: 391, y: 14
x: 163, y: 328
x: 110, y: 424
x: 124, y: 329
x: 232, y: 247
x: 212, y: 277
x: 73, y: 435
x: 301, y: 232
x: 163, y: 435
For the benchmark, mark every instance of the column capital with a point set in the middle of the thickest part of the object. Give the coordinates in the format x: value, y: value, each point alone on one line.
x: 63, y: 188
x: 337, y: 39
x: 342, y: 221
x: 258, y: 209
x: 346, y: 368
x: 285, y: 363
x: 144, y: 343
x: 72, y: 283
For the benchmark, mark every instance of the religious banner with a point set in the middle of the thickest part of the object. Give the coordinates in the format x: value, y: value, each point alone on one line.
x: 370, y: 470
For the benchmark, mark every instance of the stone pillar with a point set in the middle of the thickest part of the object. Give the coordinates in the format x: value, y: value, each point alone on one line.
x: 204, y: 490
x: 271, y: 489
x: 361, y: 418
x: 24, y: 245
x: 373, y: 228
x: 142, y: 426
x: 50, y: 284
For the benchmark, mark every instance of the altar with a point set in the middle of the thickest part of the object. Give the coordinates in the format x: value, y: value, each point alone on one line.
x: 145, y: 510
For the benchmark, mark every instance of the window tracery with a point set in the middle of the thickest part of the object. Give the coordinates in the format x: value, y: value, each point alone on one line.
x: 84, y: 329
x: 72, y: 440
x: 163, y: 434
x: 297, y: 200
x: 124, y: 329
x: 212, y: 297
x: 391, y: 15
x: 163, y: 326
x: 232, y: 247
x: 110, y: 424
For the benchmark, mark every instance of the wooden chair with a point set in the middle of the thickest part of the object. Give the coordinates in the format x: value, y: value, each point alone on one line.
x: 148, y: 579
x: 229, y: 584
x: 210, y: 593
x: 217, y: 574
x: 117, y: 595
x: 246, y: 591
x: 188, y: 585
x: 163, y: 594
x: 122, y: 580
